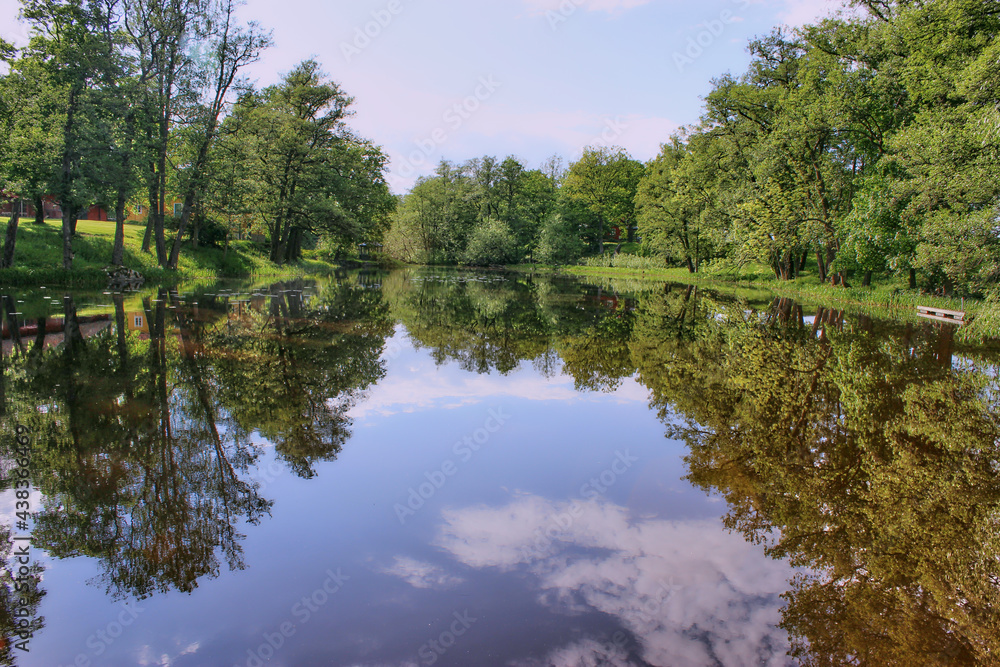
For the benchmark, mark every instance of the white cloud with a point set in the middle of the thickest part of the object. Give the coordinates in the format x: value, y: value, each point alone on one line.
x: 692, y: 593
x: 584, y: 653
x: 420, y: 574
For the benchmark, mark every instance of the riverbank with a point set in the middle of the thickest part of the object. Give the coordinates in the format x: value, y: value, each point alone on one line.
x: 887, y: 298
x: 38, y: 258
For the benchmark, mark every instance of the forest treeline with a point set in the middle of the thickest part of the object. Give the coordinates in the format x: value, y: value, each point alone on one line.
x: 144, y: 104
x: 866, y: 144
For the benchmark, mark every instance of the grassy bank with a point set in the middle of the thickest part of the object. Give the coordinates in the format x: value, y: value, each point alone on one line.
x: 885, y: 298
x: 38, y: 257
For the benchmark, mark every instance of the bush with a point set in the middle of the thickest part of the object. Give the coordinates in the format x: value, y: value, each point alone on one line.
x: 560, y: 241
x: 491, y: 242
x: 210, y: 233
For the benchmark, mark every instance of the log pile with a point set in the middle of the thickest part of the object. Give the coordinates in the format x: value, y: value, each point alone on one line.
x: 121, y: 278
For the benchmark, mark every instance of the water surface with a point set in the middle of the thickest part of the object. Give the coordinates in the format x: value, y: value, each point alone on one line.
x: 453, y: 468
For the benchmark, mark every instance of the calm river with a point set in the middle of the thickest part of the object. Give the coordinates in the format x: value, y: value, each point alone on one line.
x: 442, y: 468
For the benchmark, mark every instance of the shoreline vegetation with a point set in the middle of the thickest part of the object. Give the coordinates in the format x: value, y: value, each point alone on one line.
x: 888, y: 299
x: 244, y: 259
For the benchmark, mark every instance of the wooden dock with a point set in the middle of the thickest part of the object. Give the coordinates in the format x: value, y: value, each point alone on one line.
x: 942, y: 315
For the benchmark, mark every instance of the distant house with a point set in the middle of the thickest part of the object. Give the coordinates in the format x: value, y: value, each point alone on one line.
x: 51, y: 208
x: 26, y: 208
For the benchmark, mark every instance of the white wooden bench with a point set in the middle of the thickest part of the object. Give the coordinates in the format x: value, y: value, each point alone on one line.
x: 942, y: 315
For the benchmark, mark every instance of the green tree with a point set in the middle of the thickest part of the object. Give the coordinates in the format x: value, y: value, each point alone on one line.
x: 605, y: 180
x: 491, y: 242
x: 677, y: 201
x: 560, y: 241
x: 65, y: 52
x: 230, y: 48
x: 310, y: 174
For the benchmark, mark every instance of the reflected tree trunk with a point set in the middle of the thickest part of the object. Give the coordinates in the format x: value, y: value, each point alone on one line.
x: 14, y: 325
x: 73, y: 343
x: 10, y: 239
x: 38, y: 346
x: 3, y: 377
x: 946, y: 345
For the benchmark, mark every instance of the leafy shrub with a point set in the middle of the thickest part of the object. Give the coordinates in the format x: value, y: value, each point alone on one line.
x: 560, y: 241
x: 491, y: 242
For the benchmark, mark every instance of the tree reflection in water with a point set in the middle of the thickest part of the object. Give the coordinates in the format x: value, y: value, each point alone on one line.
x: 858, y: 451
x: 142, y: 443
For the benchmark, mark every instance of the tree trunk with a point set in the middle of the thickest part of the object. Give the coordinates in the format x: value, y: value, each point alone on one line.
x: 805, y: 259
x: 39, y: 211
x: 39, y: 345
x: 913, y: 279
x: 158, y: 238
x: 867, y: 280
x: 821, y: 266
x: 3, y: 382
x: 72, y: 337
x: 175, y: 251
x: 281, y: 248
x: 121, y: 332
x: 154, y: 198
x: 690, y: 264
x: 148, y: 235
x: 293, y: 247
x: 118, y: 252
x: 7, y: 260
x: 275, y: 240
x: 67, y: 237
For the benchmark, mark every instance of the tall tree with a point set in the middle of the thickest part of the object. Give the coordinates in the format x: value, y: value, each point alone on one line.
x: 160, y: 32
x: 231, y: 48
x: 606, y: 180
x: 312, y: 174
x: 64, y: 44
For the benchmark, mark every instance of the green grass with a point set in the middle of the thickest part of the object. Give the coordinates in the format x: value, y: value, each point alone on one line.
x: 38, y: 257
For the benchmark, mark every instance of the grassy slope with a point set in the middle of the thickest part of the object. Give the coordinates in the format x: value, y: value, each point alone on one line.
x: 38, y: 257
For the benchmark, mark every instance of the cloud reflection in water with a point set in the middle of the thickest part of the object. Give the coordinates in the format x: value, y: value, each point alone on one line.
x: 690, y: 592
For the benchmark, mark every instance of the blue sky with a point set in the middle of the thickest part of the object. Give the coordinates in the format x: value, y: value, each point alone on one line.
x: 456, y: 79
